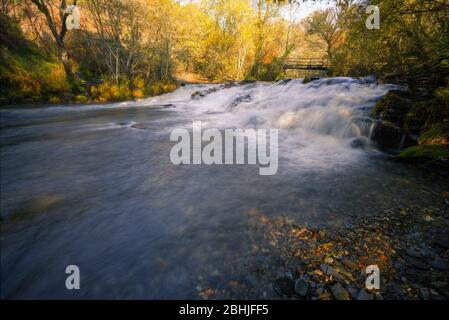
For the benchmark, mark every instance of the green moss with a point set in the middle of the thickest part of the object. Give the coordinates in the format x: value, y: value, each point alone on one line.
x: 431, y: 152
x: 393, y: 107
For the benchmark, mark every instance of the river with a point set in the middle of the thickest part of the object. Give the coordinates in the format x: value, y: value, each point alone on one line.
x: 93, y: 185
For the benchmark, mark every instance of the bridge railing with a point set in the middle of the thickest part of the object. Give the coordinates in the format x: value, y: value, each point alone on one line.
x: 306, y: 63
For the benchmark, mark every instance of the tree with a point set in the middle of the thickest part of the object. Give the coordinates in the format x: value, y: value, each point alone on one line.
x: 324, y: 24
x: 58, y: 28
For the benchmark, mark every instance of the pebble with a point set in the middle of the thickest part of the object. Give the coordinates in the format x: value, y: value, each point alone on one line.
x: 418, y: 264
x: 284, y: 286
x: 365, y: 295
x: 339, y: 292
x: 443, y: 243
x: 354, y: 292
x: 301, y: 287
x: 349, y: 263
x: 413, y: 252
x: 439, y: 264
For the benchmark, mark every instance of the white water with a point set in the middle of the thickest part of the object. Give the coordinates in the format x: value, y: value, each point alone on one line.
x: 318, y: 121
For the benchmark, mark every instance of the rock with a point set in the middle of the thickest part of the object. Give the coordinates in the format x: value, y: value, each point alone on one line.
x: 393, y: 107
x: 285, y: 81
x: 387, y: 135
x: 240, y: 99
x: 328, y: 270
x: 427, y: 253
x: 350, y: 264
x: 328, y: 260
x: 365, y: 295
x: 439, y: 264
x: 197, y: 95
x: 346, y: 274
x: 442, y: 242
x: 139, y: 126
x: 395, y: 290
x: 440, y: 284
x: 379, y: 296
x: 424, y: 293
x: 229, y: 85
x: 201, y: 94
x: 284, y: 286
x: 357, y: 143
x: 413, y: 252
x: 301, y: 287
x: 418, y: 264
x: 339, y: 292
x: 310, y: 79
x: 246, y: 82
x: 324, y: 296
x: 353, y: 291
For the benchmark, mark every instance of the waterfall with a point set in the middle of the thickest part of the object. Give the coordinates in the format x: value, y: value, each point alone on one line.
x: 322, y: 122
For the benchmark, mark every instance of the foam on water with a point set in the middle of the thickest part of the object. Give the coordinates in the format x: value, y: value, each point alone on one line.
x: 318, y: 121
x: 322, y: 124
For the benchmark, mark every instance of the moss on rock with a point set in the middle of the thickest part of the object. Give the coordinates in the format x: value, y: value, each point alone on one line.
x: 425, y: 152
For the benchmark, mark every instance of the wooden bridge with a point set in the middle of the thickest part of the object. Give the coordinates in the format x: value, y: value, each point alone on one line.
x: 306, y: 64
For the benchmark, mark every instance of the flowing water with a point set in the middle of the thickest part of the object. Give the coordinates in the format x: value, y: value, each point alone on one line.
x: 93, y: 185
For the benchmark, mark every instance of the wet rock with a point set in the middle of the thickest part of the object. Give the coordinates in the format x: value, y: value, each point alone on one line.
x: 284, y: 286
x: 442, y: 242
x: 324, y: 295
x: 395, y: 290
x: 417, y: 263
x: 365, y: 295
x: 387, y: 135
x: 349, y: 264
x: 247, y: 82
x: 197, y: 95
x: 284, y: 82
x: 339, y: 292
x: 424, y: 293
x: 379, y: 296
x: 301, y: 287
x: 328, y: 260
x: 357, y: 143
x: 240, y: 99
x: 393, y: 107
x: 428, y: 254
x: 413, y: 252
x: 139, y: 126
x: 328, y: 270
x: 343, y: 272
x: 229, y: 85
x: 201, y: 94
x: 439, y: 264
x: 440, y: 284
x: 353, y: 291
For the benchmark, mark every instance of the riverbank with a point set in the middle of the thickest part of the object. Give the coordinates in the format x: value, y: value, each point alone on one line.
x: 409, y: 244
x: 415, y: 120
